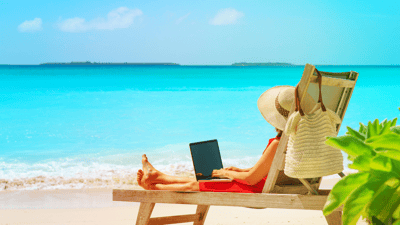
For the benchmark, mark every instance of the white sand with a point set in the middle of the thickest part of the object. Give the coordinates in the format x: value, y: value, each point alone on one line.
x: 95, y: 206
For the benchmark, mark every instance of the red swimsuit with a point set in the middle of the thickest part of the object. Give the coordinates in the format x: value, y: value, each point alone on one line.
x: 240, y: 186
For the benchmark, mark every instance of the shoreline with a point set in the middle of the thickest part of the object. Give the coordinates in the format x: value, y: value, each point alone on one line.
x: 120, y: 180
x: 125, y: 180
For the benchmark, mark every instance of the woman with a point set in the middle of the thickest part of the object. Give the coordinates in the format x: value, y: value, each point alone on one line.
x: 274, y: 105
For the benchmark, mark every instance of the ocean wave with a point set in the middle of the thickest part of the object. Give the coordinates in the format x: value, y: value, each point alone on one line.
x: 112, y: 178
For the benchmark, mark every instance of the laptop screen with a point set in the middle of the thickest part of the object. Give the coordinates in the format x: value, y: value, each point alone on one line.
x: 206, y: 158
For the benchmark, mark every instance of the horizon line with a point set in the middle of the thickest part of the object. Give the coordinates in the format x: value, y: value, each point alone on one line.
x: 177, y: 64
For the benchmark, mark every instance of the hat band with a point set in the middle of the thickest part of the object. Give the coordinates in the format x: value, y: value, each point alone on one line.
x: 281, y: 110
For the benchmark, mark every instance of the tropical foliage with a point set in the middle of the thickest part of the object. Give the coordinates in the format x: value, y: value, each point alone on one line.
x: 373, y: 192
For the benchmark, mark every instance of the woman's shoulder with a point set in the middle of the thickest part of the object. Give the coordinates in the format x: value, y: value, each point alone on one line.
x: 275, y: 139
x: 273, y: 142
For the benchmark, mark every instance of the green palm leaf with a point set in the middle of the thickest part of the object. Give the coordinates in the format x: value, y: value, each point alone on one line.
x: 343, y: 189
x: 355, y: 134
x: 356, y: 203
x: 385, y: 200
x: 350, y: 145
x: 386, y: 141
x: 373, y: 128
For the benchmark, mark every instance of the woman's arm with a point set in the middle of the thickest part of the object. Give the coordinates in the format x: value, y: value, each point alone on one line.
x: 232, y: 168
x: 257, y: 172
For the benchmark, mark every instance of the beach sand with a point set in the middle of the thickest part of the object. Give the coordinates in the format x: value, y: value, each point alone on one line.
x: 95, y: 206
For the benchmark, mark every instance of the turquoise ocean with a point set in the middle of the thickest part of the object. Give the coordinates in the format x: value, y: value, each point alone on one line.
x: 87, y: 126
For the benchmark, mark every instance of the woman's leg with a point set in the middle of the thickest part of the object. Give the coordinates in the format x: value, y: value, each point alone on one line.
x: 147, y: 184
x: 158, y: 177
x: 151, y: 178
x: 190, y: 186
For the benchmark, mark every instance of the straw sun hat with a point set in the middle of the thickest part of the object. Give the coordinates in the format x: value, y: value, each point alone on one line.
x: 275, y: 104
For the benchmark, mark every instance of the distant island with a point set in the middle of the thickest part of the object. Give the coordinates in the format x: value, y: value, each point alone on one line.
x: 262, y: 64
x: 88, y: 63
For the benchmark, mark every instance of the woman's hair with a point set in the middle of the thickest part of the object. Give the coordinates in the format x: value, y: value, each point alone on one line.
x: 279, y: 133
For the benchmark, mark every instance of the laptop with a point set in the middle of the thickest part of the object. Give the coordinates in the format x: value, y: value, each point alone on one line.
x: 206, y: 158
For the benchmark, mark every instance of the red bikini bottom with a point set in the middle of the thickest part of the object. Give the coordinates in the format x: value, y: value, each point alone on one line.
x: 239, y: 186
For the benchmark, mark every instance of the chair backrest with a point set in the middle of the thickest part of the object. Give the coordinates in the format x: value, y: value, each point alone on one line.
x: 337, y: 89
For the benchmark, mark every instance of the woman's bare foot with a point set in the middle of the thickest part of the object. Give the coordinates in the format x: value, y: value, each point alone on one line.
x: 139, y: 176
x: 142, y: 181
x: 150, y: 174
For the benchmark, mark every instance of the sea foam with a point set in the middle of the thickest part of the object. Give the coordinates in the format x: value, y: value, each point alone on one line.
x: 83, y: 177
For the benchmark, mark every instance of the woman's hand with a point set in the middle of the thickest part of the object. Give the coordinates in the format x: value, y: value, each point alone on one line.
x: 218, y: 173
x: 232, y: 168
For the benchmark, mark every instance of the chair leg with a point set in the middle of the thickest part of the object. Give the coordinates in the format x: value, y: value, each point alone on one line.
x: 308, y: 186
x: 335, y: 218
x: 202, y: 210
x: 144, y: 213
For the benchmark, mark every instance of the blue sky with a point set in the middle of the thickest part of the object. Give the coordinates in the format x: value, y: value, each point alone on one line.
x: 201, y: 32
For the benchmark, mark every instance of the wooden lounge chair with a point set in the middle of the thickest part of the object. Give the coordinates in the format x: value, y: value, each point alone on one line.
x: 279, y: 191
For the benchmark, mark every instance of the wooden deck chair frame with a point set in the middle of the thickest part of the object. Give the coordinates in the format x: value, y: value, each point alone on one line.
x: 306, y: 196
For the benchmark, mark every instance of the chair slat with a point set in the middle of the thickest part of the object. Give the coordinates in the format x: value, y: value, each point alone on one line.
x: 335, y: 82
x: 288, y: 201
x: 173, y: 219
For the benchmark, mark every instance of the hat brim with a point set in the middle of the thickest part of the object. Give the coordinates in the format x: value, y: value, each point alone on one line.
x: 266, y: 105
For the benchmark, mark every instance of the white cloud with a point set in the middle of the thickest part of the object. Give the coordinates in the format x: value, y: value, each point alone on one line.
x: 73, y: 25
x: 178, y: 21
x: 119, y: 18
x: 31, y: 25
x: 226, y: 16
